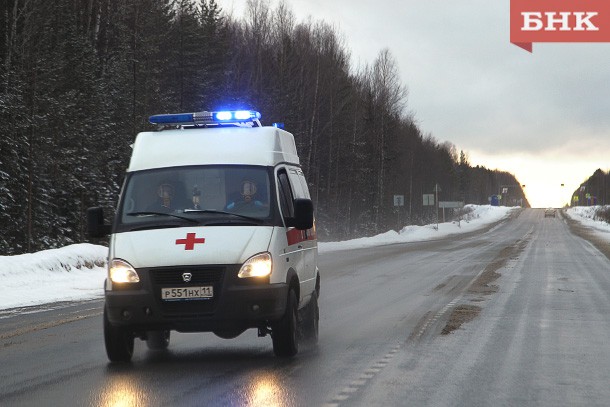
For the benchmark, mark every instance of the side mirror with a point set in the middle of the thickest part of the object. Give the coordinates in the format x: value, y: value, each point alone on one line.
x: 95, y: 223
x: 303, y: 214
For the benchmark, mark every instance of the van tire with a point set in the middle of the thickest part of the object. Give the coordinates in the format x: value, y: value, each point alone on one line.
x: 284, y: 333
x: 311, y: 320
x: 157, y: 340
x: 118, y: 340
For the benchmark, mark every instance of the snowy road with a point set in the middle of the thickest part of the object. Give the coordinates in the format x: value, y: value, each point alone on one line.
x: 524, y: 307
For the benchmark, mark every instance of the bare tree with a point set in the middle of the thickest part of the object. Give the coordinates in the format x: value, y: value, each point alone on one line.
x: 389, y: 97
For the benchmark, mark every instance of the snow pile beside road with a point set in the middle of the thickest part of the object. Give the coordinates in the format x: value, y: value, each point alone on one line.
x: 71, y: 273
x: 587, y: 216
x: 477, y: 217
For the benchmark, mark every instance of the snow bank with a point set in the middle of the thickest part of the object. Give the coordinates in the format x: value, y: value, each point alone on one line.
x: 587, y: 215
x: 478, y: 217
x: 71, y: 273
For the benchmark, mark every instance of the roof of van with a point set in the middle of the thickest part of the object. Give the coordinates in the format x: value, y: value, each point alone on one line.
x: 265, y: 146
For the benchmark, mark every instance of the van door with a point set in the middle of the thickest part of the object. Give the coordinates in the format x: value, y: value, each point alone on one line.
x: 307, y: 238
x: 294, y: 249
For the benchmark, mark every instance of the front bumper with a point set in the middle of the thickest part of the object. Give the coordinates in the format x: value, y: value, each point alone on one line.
x: 238, y: 304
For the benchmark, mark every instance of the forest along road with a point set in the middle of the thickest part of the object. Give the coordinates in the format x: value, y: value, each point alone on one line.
x: 515, y: 315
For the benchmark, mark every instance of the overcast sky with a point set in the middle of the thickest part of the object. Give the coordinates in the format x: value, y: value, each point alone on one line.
x: 544, y: 117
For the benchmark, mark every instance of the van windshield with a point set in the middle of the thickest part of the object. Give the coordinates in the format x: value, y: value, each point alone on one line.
x: 205, y: 195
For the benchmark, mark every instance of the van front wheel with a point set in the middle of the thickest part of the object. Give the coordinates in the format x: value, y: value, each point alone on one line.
x: 118, y: 341
x: 284, y: 333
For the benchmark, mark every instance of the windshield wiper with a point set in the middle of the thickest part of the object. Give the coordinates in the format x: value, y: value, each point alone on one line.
x: 156, y: 226
x: 251, y: 218
x: 146, y: 213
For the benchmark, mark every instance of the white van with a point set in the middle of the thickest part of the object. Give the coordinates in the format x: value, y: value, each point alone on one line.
x: 213, y: 232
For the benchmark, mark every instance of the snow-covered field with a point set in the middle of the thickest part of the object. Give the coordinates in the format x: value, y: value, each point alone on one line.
x: 77, y: 272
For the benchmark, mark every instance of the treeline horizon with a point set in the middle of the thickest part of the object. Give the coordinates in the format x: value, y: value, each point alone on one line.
x: 79, y: 79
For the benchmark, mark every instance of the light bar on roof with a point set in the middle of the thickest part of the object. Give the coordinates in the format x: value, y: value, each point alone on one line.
x: 236, y: 116
x: 204, y: 118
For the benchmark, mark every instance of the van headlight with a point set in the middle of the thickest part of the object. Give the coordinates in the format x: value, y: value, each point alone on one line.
x: 258, y: 265
x: 121, y: 272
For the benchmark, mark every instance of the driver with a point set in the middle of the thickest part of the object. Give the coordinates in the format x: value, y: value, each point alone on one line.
x: 163, y: 200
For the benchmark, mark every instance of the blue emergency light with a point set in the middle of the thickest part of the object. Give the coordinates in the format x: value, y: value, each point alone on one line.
x: 208, y: 118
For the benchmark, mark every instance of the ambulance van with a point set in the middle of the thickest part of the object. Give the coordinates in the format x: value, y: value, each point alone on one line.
x: 214, y: 232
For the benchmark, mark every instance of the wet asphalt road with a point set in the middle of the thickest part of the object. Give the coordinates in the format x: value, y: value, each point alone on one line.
x: 536, y: 298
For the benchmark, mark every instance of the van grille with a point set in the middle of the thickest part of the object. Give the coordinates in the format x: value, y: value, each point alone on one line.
x: 174, y: 276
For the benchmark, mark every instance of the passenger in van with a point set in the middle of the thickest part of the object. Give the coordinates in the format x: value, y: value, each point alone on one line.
x: 247, y: 197
x: 164, y: 199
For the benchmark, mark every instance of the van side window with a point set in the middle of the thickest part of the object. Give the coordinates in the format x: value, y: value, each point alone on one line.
x: 297, y: 180
x: 285, y: 194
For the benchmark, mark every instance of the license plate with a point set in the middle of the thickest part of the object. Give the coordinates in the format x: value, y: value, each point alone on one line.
x: 187, y: 293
